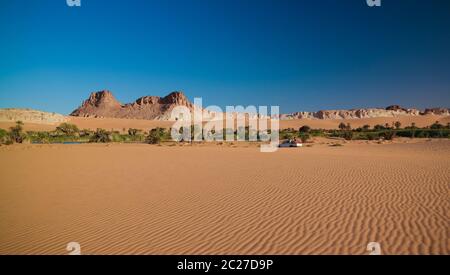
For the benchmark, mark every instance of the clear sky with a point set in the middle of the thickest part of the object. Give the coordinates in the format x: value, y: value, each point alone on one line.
x: 299, y: 54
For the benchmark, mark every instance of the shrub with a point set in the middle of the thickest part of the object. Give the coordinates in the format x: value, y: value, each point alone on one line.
x: 389, y: 135
x: 4, y: 137
x: 304, y: 137
x: 372, y: 136
x: 379, y: 127
x: 286, y: 135
x: 317, y: 132
x: 67, y: 129
x: 101, y: 136
x: 41, y: 137
x: 347, y: 135
x: 86, y: 133
x: 342, y: 126
x: 134, y: 132
x: 437, y: 126
x: 367, y: 136
x: 154, y: 137
x: 16, y: 133
x: 305, y: 129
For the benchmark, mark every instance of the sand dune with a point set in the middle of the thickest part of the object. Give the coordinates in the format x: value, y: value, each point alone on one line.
x: 120, y: 124
x: 142, y: 199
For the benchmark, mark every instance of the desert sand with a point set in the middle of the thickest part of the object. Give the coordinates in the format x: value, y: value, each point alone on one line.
x: 227, y: 199
x: 118, y: 124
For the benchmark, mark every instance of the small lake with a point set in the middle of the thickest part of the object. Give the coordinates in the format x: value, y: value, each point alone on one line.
x: 64, y: 143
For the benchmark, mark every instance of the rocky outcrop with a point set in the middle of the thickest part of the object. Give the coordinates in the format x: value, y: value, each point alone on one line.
x: 437, y: 111
x: 391, y: 111
x: 103, y: 104
x: 30, y: 116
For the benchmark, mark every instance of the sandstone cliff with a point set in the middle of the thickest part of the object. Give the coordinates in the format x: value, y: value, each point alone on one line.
x: 391, y: 111
x: 30, y: 116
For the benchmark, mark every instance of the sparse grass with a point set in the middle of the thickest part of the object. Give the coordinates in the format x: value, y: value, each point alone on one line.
x: 70, y: 133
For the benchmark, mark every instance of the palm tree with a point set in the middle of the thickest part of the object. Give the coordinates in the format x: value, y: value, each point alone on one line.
x: 342, y: 126
x: 397, y: 125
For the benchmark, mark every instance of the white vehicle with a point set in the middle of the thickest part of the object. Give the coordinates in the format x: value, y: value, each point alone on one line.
x: 290, y: 144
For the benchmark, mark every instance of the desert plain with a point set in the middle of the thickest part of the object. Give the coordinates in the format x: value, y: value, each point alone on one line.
x: 226, y: 198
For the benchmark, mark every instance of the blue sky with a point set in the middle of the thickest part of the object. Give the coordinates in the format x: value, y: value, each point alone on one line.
x: 298, y: 54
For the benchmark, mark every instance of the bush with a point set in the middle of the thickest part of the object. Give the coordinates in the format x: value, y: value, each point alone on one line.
x: 389, y: 135
x: 317, y: 132
x: 16, y: 133
x: 379, y: 127
x: 67, y: 129
x: 305, y: 129
x: 342, y: 126
x: 41, y: 137
x: 304, y: 137
x: 347, y: 135
x: 134, y: 132
x: 4, y: 137
x: 101, y: 136
x: 154, y: 137
x: 86, y: 133
x: 286, y: 135
x: 372, y: 136
x: 437, y: 126
x: 367, y: 136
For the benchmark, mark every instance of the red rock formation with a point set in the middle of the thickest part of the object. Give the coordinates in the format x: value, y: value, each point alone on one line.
x: 103, y: 104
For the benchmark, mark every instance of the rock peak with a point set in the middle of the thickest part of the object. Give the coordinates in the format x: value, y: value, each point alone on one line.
x: 104, y: 104
x: 176, y: 97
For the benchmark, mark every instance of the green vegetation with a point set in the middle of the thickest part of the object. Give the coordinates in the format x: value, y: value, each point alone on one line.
x: 304, y: 137
x: 4, y: 137
x: 67, y: 129
x: 16, y: 133
x: 69, y: 133
x: 156, y: 136
x: 384, y: 132
x: 101, y: 136
x: 305, y: 129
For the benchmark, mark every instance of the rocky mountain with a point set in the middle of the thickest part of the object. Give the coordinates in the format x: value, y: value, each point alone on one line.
x: 391, y: 111
x: 104, y: 104
x: 30, y: 116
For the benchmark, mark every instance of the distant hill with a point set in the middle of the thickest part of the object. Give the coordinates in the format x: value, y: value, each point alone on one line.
x: 30, y: 116
x: 103, y: 104
x: 391, y: 111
